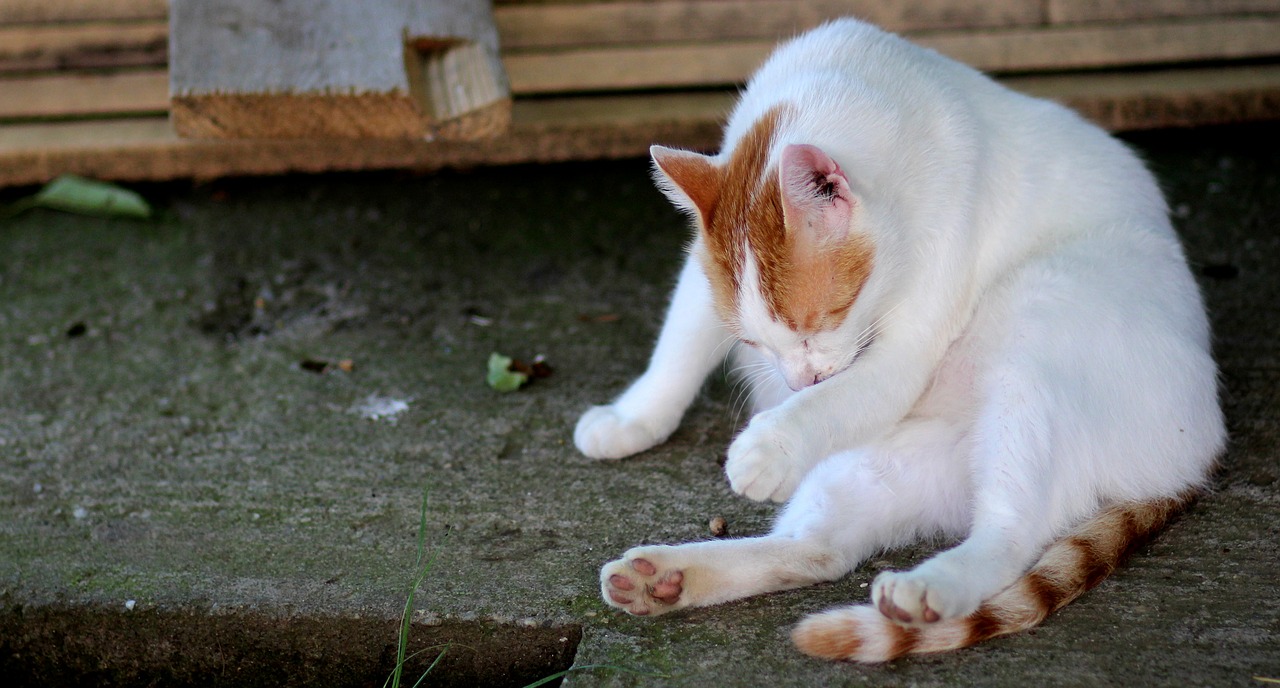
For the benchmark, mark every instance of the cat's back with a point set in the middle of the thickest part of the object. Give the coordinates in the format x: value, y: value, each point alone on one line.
x: 847, y: 68
x: 893, y: 110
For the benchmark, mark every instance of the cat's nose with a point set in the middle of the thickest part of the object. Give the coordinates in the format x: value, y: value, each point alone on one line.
x: 805, y: 377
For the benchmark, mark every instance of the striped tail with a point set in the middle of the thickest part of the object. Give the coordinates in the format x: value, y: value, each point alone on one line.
x: 1065, y: 571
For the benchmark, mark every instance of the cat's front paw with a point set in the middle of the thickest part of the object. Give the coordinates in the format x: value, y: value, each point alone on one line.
x: 605, y: 433
x: 916, y: 597
x: 640, y: 584
x: 765, y: 462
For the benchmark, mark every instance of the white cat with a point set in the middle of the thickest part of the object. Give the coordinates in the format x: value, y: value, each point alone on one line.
x: 960, y: 311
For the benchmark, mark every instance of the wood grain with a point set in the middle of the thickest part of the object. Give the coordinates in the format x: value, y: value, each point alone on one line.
x: 580, y: 128
x: 334, y: 68
x: 1079, y: 11
x: 30, y: 11
x: 83, y: 45
x: 1003, y: 50
x: 80, y: 95
x: 538, y: 25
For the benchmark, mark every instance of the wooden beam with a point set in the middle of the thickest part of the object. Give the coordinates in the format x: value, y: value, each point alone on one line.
x: 1005, y: 50
x: 85, y: 45
x: 1118, y: 45
x: 1120, y: 101
x: 31, y: 11
x: 558, y: 25
x: 325, y: 68
x: 80, y: 95
x: 580, y: 128
x: 693, y: 65
x: 1081, y: 11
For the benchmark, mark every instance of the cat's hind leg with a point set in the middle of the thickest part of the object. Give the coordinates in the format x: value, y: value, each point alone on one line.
x: 850, y: 506
x: 656, y: 579
x: 1091, y: 381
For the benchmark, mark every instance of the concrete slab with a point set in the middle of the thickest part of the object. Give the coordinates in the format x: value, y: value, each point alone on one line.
x: 181, y: 501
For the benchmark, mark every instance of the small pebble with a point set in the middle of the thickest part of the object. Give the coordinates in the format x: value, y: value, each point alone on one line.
x: 129, y: 604
x: 719, y: 527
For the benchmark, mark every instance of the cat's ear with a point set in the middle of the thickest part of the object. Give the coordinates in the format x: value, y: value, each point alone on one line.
x: 815, y: 192
x: 689, y: 179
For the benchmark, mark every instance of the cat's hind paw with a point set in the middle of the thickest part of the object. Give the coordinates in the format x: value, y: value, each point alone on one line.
x: 640, y: 585
x: 604, y: 433
x: 911, y: 597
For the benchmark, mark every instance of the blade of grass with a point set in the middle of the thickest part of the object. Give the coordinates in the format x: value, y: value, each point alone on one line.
x: 434, y: 662
x: 397, y: 673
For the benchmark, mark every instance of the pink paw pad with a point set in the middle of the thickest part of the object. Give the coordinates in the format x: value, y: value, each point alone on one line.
x: 641, y: 587
x: 644, y: 567
x: 896, y: 613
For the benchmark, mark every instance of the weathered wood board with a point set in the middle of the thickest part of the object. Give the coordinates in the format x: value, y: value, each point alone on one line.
x: 85, y: 84
x: 335, y: 68
x: 578, y: 128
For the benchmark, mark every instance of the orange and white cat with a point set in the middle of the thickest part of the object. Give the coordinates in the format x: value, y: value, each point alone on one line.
x: 961, y: 311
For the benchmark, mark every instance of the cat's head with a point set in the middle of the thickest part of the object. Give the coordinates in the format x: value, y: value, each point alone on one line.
x: 781, y: 241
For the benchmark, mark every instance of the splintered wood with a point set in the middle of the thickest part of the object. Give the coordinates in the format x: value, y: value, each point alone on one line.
x: 320, y: 85
x: 334, y: 68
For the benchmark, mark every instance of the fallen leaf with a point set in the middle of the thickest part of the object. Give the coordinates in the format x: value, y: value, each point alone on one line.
x: 88, y: 197
x: 535, y: 371
x: 320, y: 367
x: 501, y: 377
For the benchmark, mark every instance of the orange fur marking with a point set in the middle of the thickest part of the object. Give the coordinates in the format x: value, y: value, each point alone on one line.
x: 829, y: 636
x: 806, y: 285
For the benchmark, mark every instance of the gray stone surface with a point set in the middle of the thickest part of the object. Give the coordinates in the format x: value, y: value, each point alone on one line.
x: 160, y: 444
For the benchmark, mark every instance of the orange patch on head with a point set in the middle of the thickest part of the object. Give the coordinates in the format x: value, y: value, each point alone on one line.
x: 748, y: 199
x: 812, y: 288
x: 806, y: 285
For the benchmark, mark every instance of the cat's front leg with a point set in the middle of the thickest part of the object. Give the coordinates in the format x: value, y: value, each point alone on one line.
x: 769, y: 458
x: 779, y: 446
x: 691, y: 344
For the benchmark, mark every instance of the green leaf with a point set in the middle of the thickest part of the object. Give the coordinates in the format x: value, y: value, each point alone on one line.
x: 89, y: 197
x: 501, y: 377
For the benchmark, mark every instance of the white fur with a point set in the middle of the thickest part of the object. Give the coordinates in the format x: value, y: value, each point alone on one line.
x: 1040, y: 347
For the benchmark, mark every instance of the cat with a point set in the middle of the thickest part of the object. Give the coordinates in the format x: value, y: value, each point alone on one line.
x: 960, y: 311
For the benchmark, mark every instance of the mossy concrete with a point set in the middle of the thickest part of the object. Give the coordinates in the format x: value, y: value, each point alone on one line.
x: 160, y: 443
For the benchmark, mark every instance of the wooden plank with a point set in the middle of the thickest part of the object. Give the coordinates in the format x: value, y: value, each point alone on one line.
x: 550, y: 130
x: 1165, y: 98
x: 1084, y: 47
x: 702, y: 65
x: 525, y: 26
x: 1006, y: 50
x: 83, y: 45
x: 630, y: 68
x: 1080, y: 11
x: 325, y: 68
x: 79, y: 95
x: 30, y: 11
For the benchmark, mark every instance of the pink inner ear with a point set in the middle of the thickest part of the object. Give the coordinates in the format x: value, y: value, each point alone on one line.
x: 815, y: 192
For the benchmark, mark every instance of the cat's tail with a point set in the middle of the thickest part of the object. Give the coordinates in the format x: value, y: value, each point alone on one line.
x: 1066, y: 570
